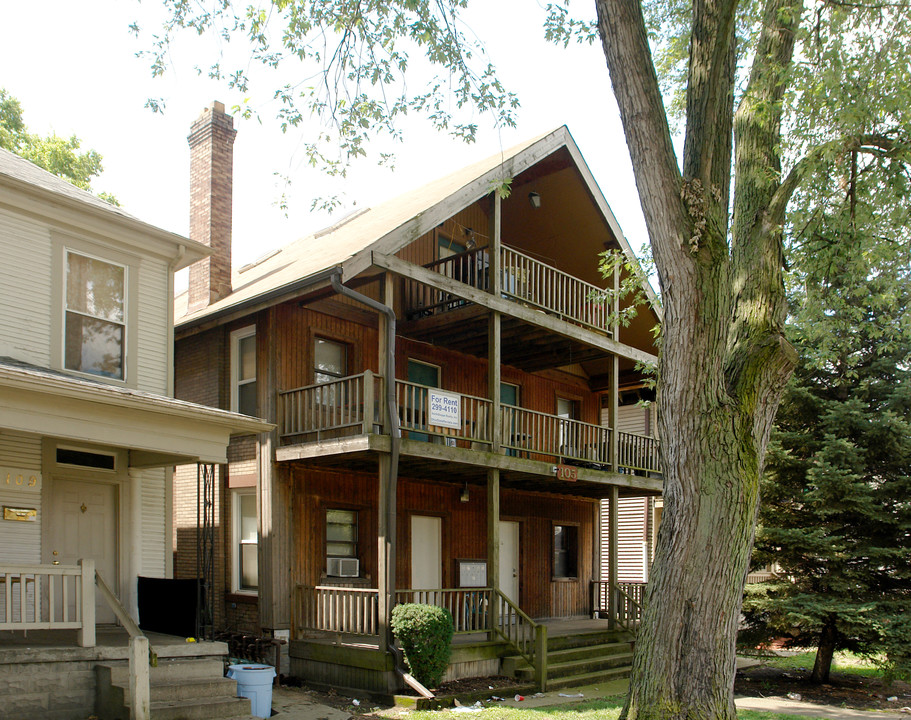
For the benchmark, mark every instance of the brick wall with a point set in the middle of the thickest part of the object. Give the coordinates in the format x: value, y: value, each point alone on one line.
x: 211, y: 166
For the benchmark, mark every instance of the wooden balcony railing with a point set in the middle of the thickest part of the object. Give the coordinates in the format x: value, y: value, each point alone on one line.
x: 348, y: 405
x: 535, y: 283
x: 527, y: 433
x: 638, y: 452
x: 412, y: 400
x: 523, y: 279
x: 352, y: 406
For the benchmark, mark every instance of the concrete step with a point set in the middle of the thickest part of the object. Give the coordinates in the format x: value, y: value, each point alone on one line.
x: 167, y: 671
x: 201, y: 709
x: 192, y: 689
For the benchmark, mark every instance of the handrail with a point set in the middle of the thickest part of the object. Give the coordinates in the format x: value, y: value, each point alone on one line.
x: 333, y: 608
x: 411, y: 401
x: 629, y: 611
x: 141, y: 654
x: 527, y: 637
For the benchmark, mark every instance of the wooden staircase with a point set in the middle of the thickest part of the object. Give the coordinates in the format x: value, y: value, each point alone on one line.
x: 579, y: 659
x: 186, y: 688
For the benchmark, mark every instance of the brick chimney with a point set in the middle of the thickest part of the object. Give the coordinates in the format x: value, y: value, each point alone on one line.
x: 211, y: 167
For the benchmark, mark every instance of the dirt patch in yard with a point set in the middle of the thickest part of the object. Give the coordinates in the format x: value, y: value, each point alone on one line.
x: 842, y: 690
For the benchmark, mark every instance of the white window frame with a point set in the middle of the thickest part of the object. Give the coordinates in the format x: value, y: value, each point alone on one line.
x: 236, y: 541
x: 236, y: 337
x: 125, y: 323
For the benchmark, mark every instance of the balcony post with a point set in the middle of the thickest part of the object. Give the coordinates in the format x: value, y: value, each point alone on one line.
x: 612, y: 569
x: 369, y: 408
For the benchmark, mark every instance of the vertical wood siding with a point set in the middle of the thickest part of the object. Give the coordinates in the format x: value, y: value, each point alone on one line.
x: 464, y: 533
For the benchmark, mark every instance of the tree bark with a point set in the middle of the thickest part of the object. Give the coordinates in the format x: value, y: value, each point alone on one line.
x: 827, y: 641
x: 723, y: 361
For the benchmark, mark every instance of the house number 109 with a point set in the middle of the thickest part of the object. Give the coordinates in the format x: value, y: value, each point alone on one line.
x: 21, y: 480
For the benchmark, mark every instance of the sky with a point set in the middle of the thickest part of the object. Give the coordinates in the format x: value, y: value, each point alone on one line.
x: 73, y: 67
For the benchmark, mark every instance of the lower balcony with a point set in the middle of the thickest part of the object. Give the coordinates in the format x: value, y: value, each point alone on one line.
x: 345, y: 417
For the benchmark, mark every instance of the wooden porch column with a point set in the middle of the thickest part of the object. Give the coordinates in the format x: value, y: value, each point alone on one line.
x: 615, y: 377
x: 612, y: 574
x: 494, y: 360
x: 386, y: 525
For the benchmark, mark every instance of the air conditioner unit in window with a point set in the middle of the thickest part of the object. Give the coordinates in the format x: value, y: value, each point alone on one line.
x: 343, y: 567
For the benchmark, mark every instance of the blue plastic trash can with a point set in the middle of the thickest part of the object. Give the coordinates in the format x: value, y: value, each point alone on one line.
x: 254, y: 682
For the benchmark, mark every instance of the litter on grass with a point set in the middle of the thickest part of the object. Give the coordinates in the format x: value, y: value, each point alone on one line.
x: 572, y: 695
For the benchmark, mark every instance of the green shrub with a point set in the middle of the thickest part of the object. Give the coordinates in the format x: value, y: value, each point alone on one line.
x: 425, y: 634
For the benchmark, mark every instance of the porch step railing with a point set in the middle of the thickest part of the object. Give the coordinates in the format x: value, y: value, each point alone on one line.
x: 524, y: 635
x: 469, y: 608
x: 625, y: 608
x: 352, y: 611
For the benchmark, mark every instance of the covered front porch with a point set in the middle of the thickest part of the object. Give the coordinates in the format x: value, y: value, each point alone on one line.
x: 336, y: 636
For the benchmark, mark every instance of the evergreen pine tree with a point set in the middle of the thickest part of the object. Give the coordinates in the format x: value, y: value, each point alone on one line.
x: 836, y: 499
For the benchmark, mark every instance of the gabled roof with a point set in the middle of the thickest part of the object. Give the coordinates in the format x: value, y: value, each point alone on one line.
x: 55, y: 195
x: 386, y: 228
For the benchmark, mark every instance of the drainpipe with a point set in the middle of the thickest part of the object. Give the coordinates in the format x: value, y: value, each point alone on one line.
x: 391, y: 410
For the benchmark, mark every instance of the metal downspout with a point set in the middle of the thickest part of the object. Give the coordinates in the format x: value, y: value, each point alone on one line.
x: 391, y: 410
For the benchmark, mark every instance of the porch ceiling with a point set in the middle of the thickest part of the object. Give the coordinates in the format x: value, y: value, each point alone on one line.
x: 523, y: 346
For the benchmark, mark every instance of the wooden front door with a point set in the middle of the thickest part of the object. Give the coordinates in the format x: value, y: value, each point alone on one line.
x: 82, y: 523
x: 509, y: 560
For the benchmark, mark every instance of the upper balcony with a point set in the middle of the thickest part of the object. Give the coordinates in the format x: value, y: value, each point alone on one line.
x: 550, y: 318
x: 340, y: 418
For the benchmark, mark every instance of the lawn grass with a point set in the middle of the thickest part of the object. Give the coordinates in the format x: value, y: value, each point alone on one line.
x: 602, y: 709
x: 844, y: 662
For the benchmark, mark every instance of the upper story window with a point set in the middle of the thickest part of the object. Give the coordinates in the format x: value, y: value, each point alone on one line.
x: 243, y: 370
x: 330, y: 360
x: 95, y: 317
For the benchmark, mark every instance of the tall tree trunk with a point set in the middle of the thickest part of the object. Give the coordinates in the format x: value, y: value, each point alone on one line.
x: 723, y: 360
x: 827, y: 641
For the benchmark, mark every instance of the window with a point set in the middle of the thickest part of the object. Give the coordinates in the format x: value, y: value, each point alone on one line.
x: 566, y: 551
x: 95, y: 316
x: 243, y: 371
x: 246, y: 563
x: 330, y: 360
x: 420, y: 373
x: 341, y: 533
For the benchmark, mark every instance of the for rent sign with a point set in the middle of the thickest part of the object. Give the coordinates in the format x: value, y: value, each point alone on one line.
x: 445, y: 409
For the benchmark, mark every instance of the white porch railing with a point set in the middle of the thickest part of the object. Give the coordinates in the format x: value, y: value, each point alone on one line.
x: 49, y: 597
x: 62, y: 597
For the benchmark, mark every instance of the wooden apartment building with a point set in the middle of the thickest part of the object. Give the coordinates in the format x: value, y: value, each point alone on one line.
x: 446, y: 384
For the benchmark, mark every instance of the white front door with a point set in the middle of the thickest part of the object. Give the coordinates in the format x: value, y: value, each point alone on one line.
x: 509, y: 560
x: 426, y: 552
x: 82, y: 523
